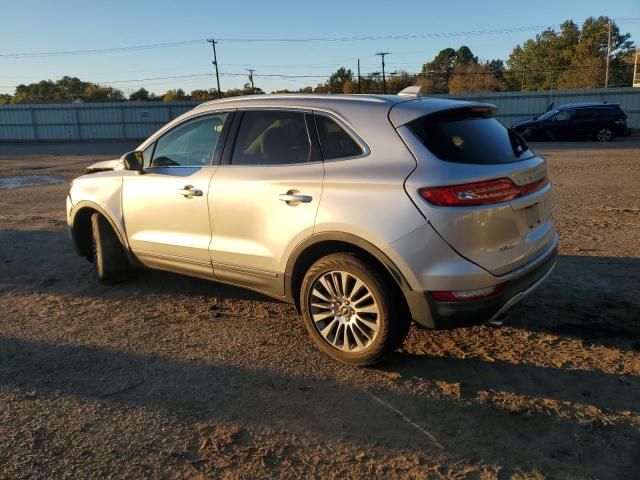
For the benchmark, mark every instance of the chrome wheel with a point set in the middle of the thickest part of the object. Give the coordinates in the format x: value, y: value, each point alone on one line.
x: 604, y: 135
x: 344, y: 311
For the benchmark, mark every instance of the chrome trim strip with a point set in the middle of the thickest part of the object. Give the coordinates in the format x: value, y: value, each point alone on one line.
x: 239, y: 269
x: 521, y: 295
x: 168, y: 256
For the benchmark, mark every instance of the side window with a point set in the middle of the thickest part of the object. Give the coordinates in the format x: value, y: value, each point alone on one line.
x: 588, y: 113
x: 565, y: 115
x: 271, y: 137
x: 335, y: 142
x: 190, y: 144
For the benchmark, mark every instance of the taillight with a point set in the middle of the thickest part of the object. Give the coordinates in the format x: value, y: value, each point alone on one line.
x: 479, y: 193
x: 465, y: 295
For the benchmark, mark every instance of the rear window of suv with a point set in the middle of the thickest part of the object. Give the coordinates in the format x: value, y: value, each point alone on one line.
x: 469, y: 135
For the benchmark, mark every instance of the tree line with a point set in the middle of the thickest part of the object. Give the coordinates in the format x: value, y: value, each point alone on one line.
x: 570, y: 57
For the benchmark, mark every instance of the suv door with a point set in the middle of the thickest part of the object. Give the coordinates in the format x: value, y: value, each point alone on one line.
x: 587, y: 121
x: 265, y: 196
x: 165, y: 208
x: 562, y: 125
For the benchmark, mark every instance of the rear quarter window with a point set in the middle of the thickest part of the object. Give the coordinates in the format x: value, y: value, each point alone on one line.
x: 469, y: 135
x: 335, y: 142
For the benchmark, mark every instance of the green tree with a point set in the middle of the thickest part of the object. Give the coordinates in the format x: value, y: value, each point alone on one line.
x: 174, y: 95
x: 97, y: 93
x: 571, y: 57
x: 5, y: 98
x: 245, y: 90
x: 588, y: 63
x: 473, y: 77
x: 40, y: 91
x: 436, y: 73
x: 140, y: 95
x: 399, y: 80
x: 464, y: 56
x: 338, y: 79
x: 204, y: 95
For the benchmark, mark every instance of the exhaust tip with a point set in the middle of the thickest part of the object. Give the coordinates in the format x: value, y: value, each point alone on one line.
x: 498, y: 321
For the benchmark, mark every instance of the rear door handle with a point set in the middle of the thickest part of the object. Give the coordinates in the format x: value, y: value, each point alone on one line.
x: 190, y: 191
x: 295, y: 197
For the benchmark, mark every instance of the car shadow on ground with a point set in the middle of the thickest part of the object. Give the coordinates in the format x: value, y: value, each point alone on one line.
x: 582, y: 293
x: 212, y: 392
x: 581, y: 298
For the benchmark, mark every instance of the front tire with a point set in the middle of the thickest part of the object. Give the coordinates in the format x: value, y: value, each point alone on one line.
x: 109, y: 258
x: 349, y: 312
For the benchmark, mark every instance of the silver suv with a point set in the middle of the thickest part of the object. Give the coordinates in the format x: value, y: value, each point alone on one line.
x: 366, y: 212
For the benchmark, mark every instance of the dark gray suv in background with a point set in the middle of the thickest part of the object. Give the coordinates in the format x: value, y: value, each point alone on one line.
x: 576, y: 121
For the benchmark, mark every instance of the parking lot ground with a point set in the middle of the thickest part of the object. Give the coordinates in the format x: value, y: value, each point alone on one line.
x: 171, y: 377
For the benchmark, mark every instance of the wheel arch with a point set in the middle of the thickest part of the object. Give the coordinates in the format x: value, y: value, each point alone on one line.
x: 80, y: 227
x: 322, y: 244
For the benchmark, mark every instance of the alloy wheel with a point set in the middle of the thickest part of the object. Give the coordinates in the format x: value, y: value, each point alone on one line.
x: 604, y: 135
x: 344, y: 311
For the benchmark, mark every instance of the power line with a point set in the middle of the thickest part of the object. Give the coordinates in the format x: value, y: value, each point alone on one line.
x: 182, y: 43
x: 371, y: 75
x: 101, y: 50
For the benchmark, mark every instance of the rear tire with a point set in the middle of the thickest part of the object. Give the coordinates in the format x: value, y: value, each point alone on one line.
x: 351, y: 311
x: 109, y: 258
x: 604, y: 134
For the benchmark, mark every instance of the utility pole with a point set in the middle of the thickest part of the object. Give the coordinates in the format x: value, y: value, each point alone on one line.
x: 359, y: 91
x: 384, y: 82
x: 606, y: 74
x: 215, y: 62
x: 251, y: 70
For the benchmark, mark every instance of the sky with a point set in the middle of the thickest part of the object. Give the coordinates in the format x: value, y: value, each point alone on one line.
x: 67, y: 25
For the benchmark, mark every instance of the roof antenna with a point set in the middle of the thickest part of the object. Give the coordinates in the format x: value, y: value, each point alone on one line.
x: 412, y: 91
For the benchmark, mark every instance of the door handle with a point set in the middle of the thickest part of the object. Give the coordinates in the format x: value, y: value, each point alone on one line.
x: 190, y: 191
x: 294, y: 197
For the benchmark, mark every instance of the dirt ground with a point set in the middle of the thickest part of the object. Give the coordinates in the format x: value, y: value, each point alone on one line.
x: 171, y: 377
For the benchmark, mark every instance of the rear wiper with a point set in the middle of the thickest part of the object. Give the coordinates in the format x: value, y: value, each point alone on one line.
x: 518, y: 145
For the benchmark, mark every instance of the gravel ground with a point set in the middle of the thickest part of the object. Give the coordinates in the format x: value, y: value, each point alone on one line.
x: 171, y: 377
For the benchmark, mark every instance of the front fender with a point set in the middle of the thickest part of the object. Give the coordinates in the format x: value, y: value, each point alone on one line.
x: 86, y: 207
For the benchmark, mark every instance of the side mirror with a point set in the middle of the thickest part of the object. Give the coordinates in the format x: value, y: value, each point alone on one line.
x: 133, y: 161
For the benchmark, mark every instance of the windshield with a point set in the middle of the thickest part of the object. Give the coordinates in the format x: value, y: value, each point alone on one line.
x: 548, y: 115
x: 470, y: 135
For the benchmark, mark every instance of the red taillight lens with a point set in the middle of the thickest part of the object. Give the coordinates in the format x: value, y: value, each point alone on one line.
x: 479, y: 193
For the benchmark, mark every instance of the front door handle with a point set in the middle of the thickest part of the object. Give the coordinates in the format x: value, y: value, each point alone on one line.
x: 190, y: 191
x: 290, y: 197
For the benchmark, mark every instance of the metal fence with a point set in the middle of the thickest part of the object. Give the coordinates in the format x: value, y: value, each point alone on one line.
x: 137, y: 120
x: 513, y: 106
x: 87, y: 121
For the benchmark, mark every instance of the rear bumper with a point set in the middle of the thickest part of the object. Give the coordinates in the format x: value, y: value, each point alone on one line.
x: 445, y: 315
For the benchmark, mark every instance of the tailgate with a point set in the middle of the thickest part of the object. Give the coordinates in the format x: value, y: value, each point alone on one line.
x: 463, y: 154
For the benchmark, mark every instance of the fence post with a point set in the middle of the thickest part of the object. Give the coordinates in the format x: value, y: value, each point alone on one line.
x: 34, y: 125
x: 77, y: 119
x: 122, y: 122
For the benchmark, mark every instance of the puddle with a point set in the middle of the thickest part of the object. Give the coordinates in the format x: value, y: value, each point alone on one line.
x: 28, y: 181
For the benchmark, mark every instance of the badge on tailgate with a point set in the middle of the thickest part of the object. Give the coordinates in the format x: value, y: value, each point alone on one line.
x: 531, y: 175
